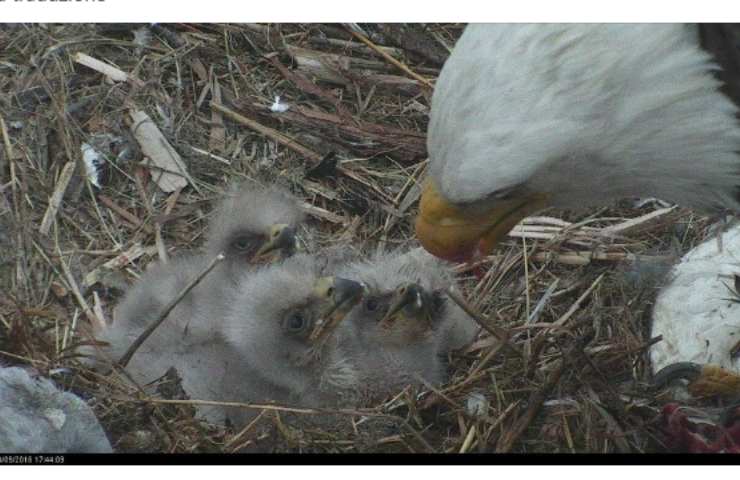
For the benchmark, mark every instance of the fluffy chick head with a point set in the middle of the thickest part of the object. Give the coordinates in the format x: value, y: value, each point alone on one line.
x: 253, y: 222
x: 404, y: 301
x: 282, y: 321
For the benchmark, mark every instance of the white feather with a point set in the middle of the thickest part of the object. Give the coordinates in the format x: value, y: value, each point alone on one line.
x: 694, y: 312
x: 92, y: 159
x: 279, y: 107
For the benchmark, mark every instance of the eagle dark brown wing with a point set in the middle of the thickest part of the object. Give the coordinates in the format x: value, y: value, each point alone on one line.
x: 722, y: 40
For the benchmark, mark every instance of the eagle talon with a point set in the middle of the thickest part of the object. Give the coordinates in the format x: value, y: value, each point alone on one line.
x: 704, y: 380
x: 677, y: 371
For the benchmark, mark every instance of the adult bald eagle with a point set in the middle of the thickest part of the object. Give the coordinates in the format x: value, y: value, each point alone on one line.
x: 529, y: 116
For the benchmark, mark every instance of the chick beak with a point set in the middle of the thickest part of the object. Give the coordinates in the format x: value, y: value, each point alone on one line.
x: 408, y: 300
x: 340, y: 296
x: 280, y: 238
x: 456, y: 234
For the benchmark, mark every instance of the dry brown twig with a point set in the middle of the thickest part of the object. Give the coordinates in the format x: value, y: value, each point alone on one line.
x: 269, y: 132
x: 500, y: 334
x: 56, y: 198
x: 392, y: 60
x: 507, y: 441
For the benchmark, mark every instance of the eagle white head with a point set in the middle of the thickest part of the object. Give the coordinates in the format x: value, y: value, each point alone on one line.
x: 567, y: 115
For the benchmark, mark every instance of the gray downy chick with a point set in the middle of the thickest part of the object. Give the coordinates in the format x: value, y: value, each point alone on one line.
x: 281, y: 325
x: 405, y: 326
x: 189, y: 339
x: 252, y: 225
x: 35, y: 416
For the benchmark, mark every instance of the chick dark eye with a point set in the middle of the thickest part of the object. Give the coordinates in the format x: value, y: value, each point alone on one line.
x: 438, y: 302
x: 242, y: 243
x: 296, y: 322
x: 371, y: 304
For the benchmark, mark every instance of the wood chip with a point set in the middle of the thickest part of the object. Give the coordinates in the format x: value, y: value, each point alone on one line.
x: 56, y: 198
x: 136, y: 251
x: 323, y: 214
x: 113, y: 73
x: 623, y: 227
x: 59, y: 290
x: 98, y: 309
x: 171, y: 173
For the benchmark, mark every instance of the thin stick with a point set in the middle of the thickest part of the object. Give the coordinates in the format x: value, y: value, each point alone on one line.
x: 418, y: 437
x: 268, y: 132
x: 210, y: 155
x: 532, y: 318
x: 125, y: 214
x: 142, y: 338
x: 89, y: 313
x: 483, y: 363
x: 468, y: 440
x: 259, y: 406
x: 245, y: 430
x: 535, y: 404
x: 585, y: 258
x: 526, y: 277
x: 501, y: 335
x: 437, y: 392
x: 159, y: 242
x: 6, y: 139
x: 577, y: 304
x: 503, y: 416
x: 392, y: 60
x: 525, y: 261
x: 634, y: 222
x: 115, y: 74
x: 9, y: 154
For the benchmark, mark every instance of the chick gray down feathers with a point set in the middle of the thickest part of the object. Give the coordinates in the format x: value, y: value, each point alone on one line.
x: 390, y: 358
x: 277, y: 362
x: 241, y: 334
x: 190, y: 338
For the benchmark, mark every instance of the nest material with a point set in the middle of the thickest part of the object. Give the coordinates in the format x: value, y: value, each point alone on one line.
x: 572, y: 290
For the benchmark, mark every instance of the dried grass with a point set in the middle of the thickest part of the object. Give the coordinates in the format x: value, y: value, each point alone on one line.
x: 572, y: 292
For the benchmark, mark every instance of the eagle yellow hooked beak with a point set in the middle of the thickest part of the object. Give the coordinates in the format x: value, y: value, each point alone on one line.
x: 460, y: 233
